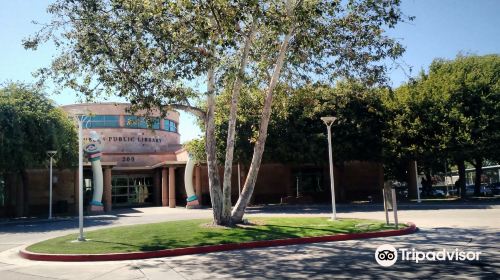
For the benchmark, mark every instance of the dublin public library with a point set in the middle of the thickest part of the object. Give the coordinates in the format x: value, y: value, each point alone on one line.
x: 144, y: 165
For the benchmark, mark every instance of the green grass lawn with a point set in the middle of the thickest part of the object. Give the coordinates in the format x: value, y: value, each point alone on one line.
x: 188, y: 233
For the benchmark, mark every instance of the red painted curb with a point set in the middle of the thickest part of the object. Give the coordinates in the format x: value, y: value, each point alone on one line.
x: 211, y: 248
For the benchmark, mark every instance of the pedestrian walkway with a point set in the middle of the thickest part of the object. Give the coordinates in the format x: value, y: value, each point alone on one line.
x: 462, y: 228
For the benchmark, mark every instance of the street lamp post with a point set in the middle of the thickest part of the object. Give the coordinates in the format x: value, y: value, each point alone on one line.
x: 51, y: 155
x: 416, y: 183
x: 329, y: 121
x: 80, y: 120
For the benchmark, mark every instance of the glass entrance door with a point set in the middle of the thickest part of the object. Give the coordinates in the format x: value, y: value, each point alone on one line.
x: 132, y: 190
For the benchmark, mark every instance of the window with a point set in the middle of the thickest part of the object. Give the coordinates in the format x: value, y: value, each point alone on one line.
x: 140, y: 122
x: 170, y: 125
x: 103, y: 121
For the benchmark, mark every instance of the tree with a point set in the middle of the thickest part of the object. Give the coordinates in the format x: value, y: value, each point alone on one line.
x: 449, y: 113
x: 298, y: 134
x: 149, y: 51
x: 416, y: 124
x: 472, y: 84
x: 30, y: 124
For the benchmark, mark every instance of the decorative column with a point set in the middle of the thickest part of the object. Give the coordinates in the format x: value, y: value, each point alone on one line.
x: 171, y: 187
x: 164, y: 190
x: 107, y: 189
x: 197, y: 182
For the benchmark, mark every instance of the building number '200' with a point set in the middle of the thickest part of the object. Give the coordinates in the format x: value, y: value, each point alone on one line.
x: 128, y: 159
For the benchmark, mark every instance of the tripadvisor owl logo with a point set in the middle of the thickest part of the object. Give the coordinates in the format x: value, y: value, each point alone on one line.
x: 386, y: 255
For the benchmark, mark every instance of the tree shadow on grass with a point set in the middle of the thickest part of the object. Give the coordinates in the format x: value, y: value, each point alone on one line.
x: 155, y: 244
x: 368, y: 207
x: 238, y: 235
x: 321, y: 231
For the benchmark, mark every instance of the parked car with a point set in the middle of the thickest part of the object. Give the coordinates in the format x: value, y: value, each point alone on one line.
x: 495, y: 188
x: 484, y: 190
x: 453, y: 192
x: 438, y: 192
x: 402, y: 192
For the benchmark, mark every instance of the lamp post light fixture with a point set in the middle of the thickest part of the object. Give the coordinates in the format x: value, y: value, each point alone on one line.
x: 80, y: 119
x: 51, y: 155
x: 329, y: 121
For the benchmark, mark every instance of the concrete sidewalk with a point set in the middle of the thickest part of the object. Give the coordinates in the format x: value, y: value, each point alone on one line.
x: 284, y: 208
x: 450, y: 228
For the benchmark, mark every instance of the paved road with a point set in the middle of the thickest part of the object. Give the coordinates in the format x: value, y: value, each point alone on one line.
x: 475, y: 227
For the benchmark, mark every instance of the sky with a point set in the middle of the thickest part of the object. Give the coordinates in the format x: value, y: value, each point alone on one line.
x: 441, y: 29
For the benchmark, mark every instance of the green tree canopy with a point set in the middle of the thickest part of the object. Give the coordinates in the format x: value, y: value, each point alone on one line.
x: 298, y: 136
x: 450, y: 113
x: 31, y: 124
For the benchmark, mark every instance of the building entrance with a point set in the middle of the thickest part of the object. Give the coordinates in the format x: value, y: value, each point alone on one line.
x: 132, y: 190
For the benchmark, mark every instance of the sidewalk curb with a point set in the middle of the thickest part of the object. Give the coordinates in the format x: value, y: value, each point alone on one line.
x: 35, y: 221
x: 56, y: 220
x: 211, y: 248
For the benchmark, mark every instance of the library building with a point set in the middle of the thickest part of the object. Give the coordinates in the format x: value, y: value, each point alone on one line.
x: 145, y: 165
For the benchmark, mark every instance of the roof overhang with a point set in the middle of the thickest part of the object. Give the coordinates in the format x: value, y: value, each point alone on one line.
x: 103, y: 163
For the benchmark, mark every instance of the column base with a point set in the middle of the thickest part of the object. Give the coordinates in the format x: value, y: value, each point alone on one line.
x: 95, y: 209
x: 193, y: 204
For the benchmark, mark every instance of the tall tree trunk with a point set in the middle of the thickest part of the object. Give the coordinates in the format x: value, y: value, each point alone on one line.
x: 246, y: 194
x: 461, y: 177
x: 412, y: 179
x: 479, y: 172
x: 228, y: 167
x: 210, y: 146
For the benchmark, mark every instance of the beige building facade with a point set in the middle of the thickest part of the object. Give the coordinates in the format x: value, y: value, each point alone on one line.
x: 143, y: 165
x: 141, y: 157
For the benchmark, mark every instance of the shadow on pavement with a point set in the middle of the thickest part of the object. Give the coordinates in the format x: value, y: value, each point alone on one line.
x: 349, y: 259
x: 26, y: 225
x: 54, y: 225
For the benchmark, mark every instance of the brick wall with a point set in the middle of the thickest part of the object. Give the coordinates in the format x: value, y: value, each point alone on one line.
x: 63, y: 191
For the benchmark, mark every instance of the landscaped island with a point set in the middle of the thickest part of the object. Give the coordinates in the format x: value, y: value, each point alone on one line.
x: 193, y: 233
